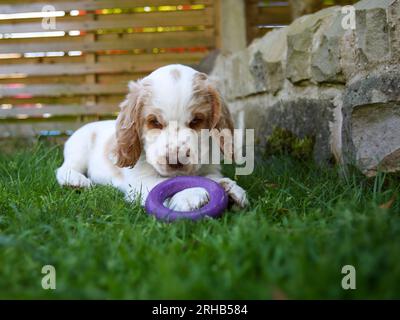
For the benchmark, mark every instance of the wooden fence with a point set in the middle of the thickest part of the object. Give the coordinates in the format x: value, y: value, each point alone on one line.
x: 263, y: 16
x: 54, y: 77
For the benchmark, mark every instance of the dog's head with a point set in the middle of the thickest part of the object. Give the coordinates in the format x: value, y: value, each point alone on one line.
x: 163, y: 116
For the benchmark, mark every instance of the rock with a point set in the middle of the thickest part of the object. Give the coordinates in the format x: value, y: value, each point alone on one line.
x: 258, y: 70
x: 305, y: 118
x: 394, y: 30
x: 326, y: 55
x: 372, y: 32
x: 219, y: 74
x: 376, y: 137
x: 207, y: 64
x: 268, y: 61
x: 300, y: 36
x: 373, y: 40
x: 244, y: 83
x: 371, y: 123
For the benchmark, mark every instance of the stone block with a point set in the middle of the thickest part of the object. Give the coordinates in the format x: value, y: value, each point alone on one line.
x: 326, y: 55
x: 371, y: 123
x: 268, y: 59
x: 300, y: 35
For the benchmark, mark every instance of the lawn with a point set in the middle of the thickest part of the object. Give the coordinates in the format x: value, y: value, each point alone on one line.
x: 305, y: 222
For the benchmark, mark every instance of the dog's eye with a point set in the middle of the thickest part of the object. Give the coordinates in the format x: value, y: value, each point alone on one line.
x: 196, y: 121
x: 154, y: 123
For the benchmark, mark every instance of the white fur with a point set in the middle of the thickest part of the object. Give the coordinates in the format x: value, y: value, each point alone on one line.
x: 88, y: 157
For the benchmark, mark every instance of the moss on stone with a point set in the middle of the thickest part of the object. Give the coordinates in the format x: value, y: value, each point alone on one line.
x: 284, y: 142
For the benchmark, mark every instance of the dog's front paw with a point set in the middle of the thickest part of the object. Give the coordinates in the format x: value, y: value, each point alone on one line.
x: 188, y: 199
x: 235, y: 192
x: 72, y: 178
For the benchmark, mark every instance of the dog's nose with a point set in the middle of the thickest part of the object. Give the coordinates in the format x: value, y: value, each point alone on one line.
x: 175, y: 166
x: 178, y: 164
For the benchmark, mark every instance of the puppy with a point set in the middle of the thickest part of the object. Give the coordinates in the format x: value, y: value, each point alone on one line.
x: 136, y: 152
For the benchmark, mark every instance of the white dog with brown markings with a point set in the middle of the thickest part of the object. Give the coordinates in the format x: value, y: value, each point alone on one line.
x: 132, y: 152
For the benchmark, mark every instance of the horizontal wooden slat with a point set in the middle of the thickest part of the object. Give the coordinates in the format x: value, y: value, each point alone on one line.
x: 101, y: 79
x: 28, y: 128
x: 131, y: 41
x: 121, y: 79
x: 94, y: 5
x: 57, y: 90
x: 72, y: 79
x: 185, y: 57
x: 274, y: 15
x: 271, y: 3
x: 114, y: 99
x: 64, y: 19
x: 64, y: 59
x: 59, y: 110
x: 110, y: 37
x: 156, y: 19
x: 76, y: 68
x: 43, y: 41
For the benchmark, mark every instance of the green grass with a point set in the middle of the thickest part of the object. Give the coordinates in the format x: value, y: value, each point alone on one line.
x: 303, y: 225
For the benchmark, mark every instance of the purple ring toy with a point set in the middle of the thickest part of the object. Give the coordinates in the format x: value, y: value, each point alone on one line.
x: 166, y: 189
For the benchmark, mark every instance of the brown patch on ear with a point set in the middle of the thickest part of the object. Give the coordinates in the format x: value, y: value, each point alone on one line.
x: 176, y: 74
x: 200, y: 76
x: 222, y: 121
x: 221, y: 118
x: 128, y: 128
x: 204, y: 94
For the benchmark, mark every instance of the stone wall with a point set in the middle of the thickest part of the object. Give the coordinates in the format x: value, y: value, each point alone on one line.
x: 317, y: 79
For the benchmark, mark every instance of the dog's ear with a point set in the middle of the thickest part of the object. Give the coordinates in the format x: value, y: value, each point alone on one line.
x: 221, y: 119
x: 128, y: 128
x: 223, y: 122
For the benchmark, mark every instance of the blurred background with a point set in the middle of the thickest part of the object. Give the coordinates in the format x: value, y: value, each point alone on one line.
x: 67, y: 64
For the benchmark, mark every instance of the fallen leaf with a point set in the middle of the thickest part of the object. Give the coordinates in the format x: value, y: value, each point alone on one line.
x: 271, y: 185
x: 278, y: 294
x: 389, y: 204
